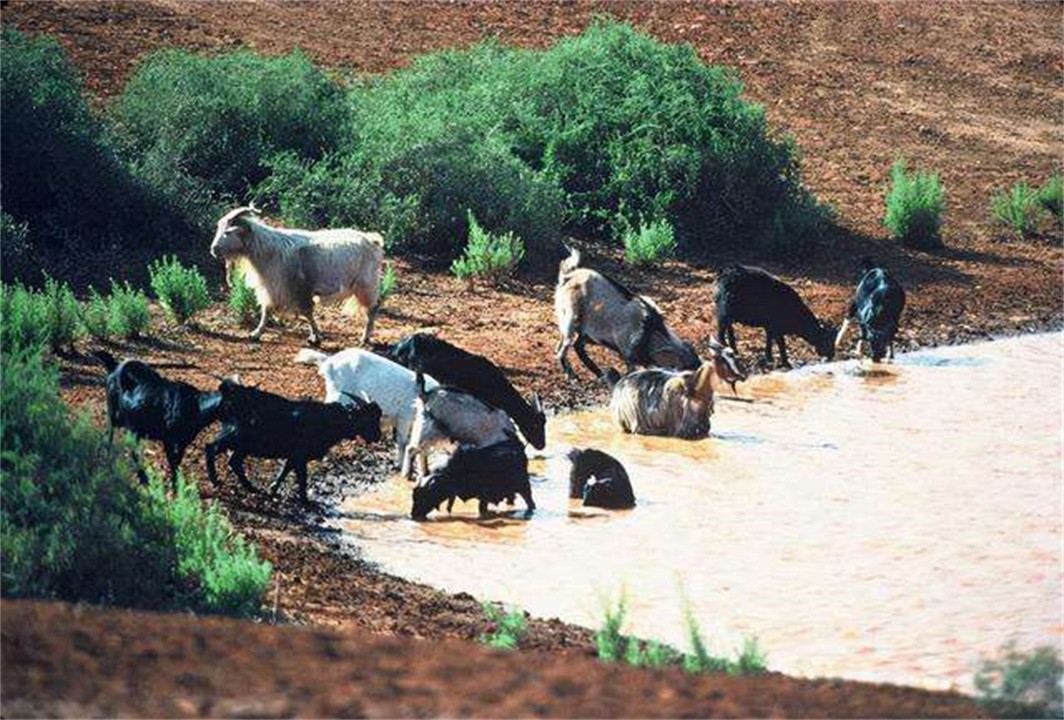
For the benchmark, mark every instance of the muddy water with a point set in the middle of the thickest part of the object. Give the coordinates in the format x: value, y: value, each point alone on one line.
x: 894, y: 525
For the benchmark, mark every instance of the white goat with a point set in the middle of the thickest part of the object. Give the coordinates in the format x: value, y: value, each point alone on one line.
x: 360, y: 372
x: 289, y: 268
x: 447, y: 414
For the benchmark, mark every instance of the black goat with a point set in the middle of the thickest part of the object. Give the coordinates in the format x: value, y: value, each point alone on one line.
x: 491, y: 474
x: 478, y: 376
x: 155, y: 408
x: 260, y: 424
x: 751, y: 296
x: 599, y: 479
x: 876, y: 307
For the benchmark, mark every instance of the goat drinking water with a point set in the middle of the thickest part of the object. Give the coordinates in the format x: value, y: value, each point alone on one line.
x: 476, y: 375
x: 670, y: 402
x: 591, y: 307
x: 876, y: 307
x: 751, y: 296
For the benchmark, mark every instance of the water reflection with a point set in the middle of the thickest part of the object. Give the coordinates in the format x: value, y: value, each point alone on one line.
x: 892, y: 524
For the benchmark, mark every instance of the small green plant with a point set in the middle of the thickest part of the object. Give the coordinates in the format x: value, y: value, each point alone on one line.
x: 62, y: 319
x: 649, y: 243
x: 95, y: 315
x: 1051, y: 195
x: 487, y: 256
x: 1018, y: 208
x: 1022, y: 684
x: 751, y: 660
x: 242, y: 301
x: 509, y: 626
x: 609, y: 642
x: 22, y: 319
x: 915, y: 205
x: 181, y: 291
x: 128, y: 315
x: 388, y: 284
x: 699, y: 660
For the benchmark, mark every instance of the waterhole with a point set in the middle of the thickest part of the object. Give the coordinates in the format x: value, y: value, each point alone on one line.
x: 893, y: 524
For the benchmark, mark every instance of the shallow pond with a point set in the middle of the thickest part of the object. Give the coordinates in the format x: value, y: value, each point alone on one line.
x: 894, y: 524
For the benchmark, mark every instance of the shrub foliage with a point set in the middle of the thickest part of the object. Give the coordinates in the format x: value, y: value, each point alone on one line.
x: 649, y: 243
x: 1018, y: 208
x: 1022, y: 684
x: 488, y: 257
x: 915, y: 204
x: 74, y: 526
x: 182, y: 291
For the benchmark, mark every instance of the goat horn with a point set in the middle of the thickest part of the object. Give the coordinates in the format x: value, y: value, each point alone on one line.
x: 358, y: 400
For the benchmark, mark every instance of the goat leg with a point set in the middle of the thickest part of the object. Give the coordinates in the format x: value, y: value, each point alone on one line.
x: 781, y: 342
x: 301, y: 478
x: 174, y: 453
x: 562, y: 354
x: 371, y: 315
x: 450, y: 504
x: 236, y: 464
x: 138, y: 463
x: 263, y: 315
x: 482, y: 507
x: 581, y: 352
x: 315, y: 334
x: 285, y: 469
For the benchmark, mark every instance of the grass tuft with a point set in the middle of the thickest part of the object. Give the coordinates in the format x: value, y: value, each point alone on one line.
x: 181, y: 291
x: 509, y: 626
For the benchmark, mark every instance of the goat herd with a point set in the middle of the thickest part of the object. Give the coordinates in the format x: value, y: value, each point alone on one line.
x: 433, y: 394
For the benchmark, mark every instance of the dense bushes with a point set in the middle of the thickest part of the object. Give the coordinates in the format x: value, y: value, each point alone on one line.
x: 915, y: 204
x: 649, y: 243
x: 35, y: 319
x: 76, y: 527
x: 610, y: 122
x: 218, y: 119
x: 63, y: 185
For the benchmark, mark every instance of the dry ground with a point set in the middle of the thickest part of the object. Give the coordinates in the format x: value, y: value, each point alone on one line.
x: 972, y: 91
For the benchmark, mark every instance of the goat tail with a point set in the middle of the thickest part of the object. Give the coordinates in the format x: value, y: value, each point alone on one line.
x: 106, y: 359
x: 306, y: 356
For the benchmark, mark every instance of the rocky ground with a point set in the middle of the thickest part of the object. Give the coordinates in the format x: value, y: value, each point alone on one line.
x: 971, y: 91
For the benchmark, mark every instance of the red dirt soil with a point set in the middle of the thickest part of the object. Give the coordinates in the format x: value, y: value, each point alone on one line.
x: 972, y: 91
x: 177, y: 666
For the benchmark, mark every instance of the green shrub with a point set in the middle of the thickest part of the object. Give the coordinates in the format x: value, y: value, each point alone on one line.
x: 915, y: 204
x: 129, y: 316
x: 23, y: 323
x: 61, y: 174
x: 699, y: 659
x: 610, y: 644
x: 388, y: 283
x: 242, y: 301
x: 15, y: 240
x: 218, y: 119
x: 1019, y: 684
x: 509, y: 627
x: 74, y: 526
x: 533, y: 141
x: 62, y: 315
x: 96, y: 315
x: 488, y: 257
x: 1051, y: 195
x: 224, y: 569
x: 649, y: 244
x: 1018, y: 208
x: 181, y: 291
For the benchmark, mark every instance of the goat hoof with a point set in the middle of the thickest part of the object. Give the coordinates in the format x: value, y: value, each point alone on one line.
x: 314, y: 340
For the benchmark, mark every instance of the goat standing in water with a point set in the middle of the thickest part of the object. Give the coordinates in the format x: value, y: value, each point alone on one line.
x: 669, y: 402
x: 876, y: 307
x: 288, y: 268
